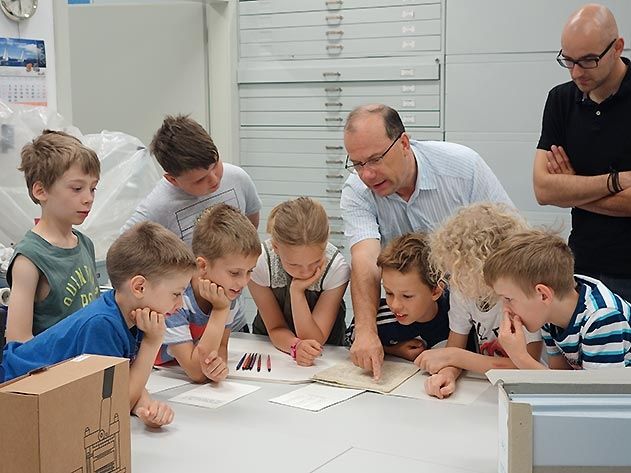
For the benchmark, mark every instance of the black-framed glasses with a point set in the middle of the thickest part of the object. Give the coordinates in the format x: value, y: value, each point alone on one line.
x: 586, y: 63
x: 370, y: 163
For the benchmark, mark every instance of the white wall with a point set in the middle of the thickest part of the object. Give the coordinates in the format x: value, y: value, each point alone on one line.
x: 500, y: 65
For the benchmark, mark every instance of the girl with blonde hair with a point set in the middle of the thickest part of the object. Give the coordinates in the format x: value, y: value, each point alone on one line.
x: 458, y: 250
x: 299, y: 282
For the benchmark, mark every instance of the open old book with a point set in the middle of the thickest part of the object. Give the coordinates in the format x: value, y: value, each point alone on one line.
x: 346, y: 374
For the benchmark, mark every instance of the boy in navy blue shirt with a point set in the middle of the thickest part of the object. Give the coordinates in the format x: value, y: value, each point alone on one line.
x: 414, y: 314
x: 149, y: 268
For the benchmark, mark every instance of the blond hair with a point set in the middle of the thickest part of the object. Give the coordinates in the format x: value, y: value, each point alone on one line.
x: 530, y: 258
x: 181, y: 144
x: 409, y: 253
x: 50, y: 155
x: 299, y: 222
x: 222, y: 230
x: 150, y: 250
x: 459, y: 248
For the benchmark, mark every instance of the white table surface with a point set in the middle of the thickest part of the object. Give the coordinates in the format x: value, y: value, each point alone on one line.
x: 368, y: 433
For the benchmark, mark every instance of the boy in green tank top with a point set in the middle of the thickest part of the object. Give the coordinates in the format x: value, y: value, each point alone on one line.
x: 53, y: 272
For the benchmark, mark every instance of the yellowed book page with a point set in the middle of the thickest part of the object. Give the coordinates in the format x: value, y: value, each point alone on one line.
x: 346, y: 374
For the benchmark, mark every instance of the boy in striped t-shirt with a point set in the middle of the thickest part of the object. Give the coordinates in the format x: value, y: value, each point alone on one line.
x: 584, y: 324
x: 226, y: 248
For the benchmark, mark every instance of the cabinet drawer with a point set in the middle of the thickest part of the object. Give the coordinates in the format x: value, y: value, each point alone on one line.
x: 371, y: 20
x: 342, y: 33
x: 322, y: 49
x: 413, y: 90
x: 258, y: 7
x: 341, y: 104
x: 337, y: 71
x: 282, y: 147
x: 335, y: 179
x: 287, y: 188
x: 429, y: 119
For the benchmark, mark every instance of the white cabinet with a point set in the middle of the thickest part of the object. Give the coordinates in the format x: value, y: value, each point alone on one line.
x: 304, y: 65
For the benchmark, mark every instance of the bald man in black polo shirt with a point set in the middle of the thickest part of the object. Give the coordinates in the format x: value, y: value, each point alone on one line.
x: 583, y: 158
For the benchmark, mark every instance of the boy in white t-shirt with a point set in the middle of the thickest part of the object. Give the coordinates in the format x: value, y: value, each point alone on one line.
x: 194, y: 179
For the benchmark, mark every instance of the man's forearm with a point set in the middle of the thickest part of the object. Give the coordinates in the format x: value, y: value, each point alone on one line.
x: 565, y: 190
x: 617, y: 205
x: 365, y: 295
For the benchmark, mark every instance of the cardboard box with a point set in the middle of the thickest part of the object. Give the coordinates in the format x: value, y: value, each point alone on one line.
x: 563, y: 421
x: 72, y: 417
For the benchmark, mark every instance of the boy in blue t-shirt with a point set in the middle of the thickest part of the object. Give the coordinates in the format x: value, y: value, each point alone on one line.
x: 149, y: 268
x: 584, y: 325
x: 414, y: 314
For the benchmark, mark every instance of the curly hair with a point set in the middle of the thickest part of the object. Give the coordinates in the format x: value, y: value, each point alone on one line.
x: 460, y: 247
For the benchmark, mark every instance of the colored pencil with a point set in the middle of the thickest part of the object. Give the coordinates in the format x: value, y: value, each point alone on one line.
x: 258, y: 363
x: 246, y: 362
x: 269, y: 363
x: 241, y: 361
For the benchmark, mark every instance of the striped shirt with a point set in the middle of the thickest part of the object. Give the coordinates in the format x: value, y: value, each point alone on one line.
x: 433, y: 333
x: 599, y: 332
x: 449, y: 176
x: 187, y: 325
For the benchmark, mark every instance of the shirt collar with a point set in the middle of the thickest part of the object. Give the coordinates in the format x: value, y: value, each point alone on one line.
x: 425, y: 179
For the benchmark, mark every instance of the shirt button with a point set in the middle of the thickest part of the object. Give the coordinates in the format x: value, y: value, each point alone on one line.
x: 598, y: 112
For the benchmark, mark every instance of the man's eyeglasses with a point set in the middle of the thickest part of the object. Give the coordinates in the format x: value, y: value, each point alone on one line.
x: 586, y: 63
x: 370, y: 163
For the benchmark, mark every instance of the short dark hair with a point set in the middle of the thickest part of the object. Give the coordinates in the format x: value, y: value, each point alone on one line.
x: 181, y: 144
x: 391, y: 120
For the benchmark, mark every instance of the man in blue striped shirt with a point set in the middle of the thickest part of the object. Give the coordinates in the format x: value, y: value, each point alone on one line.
x: 398, y: 185
x: 584, y: 324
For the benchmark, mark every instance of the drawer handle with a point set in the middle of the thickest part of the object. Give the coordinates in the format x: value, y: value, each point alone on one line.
x: 333, y: 89
x: 334, y: 32
x: 334, y: 161
x: 336, y: 232
x: 333, y: 119
x: 333, y: 104
x: 333, y: 2
x: 334, y: 46
x: 334, y: 17
x: 330, y: 147
x: 333, y: 191
x: 336, y: 74
x: 335, y: 176
x: 334, y: 217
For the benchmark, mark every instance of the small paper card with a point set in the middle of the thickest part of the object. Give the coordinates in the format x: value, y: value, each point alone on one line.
x: 316, y: 397
x: 214, y: 395
x: 346, y: 374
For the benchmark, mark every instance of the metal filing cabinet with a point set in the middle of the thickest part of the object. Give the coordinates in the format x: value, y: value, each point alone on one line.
x: 304, y: 65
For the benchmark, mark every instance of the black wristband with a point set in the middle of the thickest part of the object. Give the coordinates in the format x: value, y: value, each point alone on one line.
x: 610, y: 187
x: 616, y: 182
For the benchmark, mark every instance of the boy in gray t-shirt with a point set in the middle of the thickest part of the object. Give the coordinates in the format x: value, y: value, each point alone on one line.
x: 194, y: 179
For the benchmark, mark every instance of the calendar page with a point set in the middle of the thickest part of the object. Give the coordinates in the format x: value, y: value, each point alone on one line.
x: 23, y: 71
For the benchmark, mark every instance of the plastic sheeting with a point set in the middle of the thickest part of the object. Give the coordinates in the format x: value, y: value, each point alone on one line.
x: 128, y: 174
